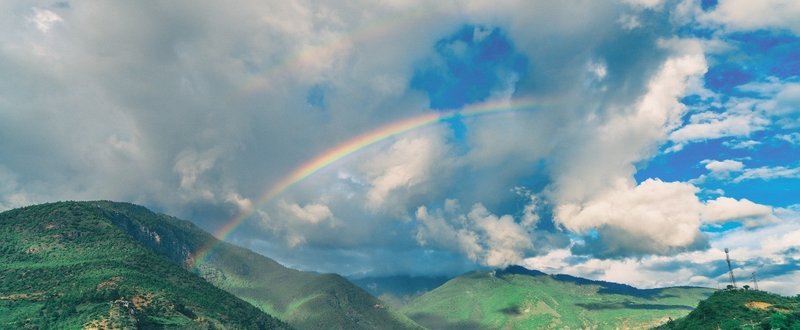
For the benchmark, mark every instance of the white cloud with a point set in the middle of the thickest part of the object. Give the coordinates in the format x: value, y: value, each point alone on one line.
x: 629, y: 22
x: 481, y: 236
x: 11, y: 194
x: 784, y: 106
x: 645, y: 3
x: 743, y: 144
x: 44, y: 19
x: 662, y: 216
x: 793, y: 138
x: 739, y: 15
x: 406, y: 168
x: 712, y: 125
x: 776, y: 105
x: 752, y: 250
x: 722, y: 169
x: 506, y: 240
x: 313, y: 213
x: 768, y: 173
x: 725, y: 209
x: 631, y: 135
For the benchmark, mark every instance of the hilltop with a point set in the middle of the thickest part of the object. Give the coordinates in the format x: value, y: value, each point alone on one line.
x: 303, y: 299
x: 741, y: 309
x: 518, y: 298
x: 67, y: 265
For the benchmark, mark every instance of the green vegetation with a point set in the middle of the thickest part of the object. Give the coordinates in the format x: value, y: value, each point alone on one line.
x: 742, y: 309
x: 67, y: 266
x: 398, y: 290
x: 517, y: 298
x: 305, y: 300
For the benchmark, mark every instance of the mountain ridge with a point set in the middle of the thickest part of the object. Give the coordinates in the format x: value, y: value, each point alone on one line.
x: 65, y: 265
x: 519, y: 298
x: 305, y: 300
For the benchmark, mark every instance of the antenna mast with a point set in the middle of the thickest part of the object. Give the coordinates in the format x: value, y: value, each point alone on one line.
x: 730, y: 269
x: 755, y: 282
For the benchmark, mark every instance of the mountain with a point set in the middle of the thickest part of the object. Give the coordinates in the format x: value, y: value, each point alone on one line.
x: 741, y: 309
x: 67, y: 265
x: 397, y: 290
x: 303, y: 299
x: 518, y: 298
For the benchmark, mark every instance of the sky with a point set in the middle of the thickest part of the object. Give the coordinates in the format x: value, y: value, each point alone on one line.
x: 627, y: 141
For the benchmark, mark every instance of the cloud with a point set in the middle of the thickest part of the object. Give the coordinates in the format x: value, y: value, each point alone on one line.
x: 773, y: 106
x: 44, y: 19
x: 784, y: 105
x: 311, y: 213
x: 491, y: 240
x: 744, y: 144
x: 629, y: 22
x: 722, y: 169
x: 198, y: 115
x: 768, y: 173
x: 711, y: 125
x: 767, y: 250
x: 793, y: 138
x: 656, y: 217
x: 645, y: 3
x: 725, y: 209
x: 406, y: 168
x: 631, y: 135
x: 738, y: 15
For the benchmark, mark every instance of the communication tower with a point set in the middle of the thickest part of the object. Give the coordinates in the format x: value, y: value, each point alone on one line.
x: 730, y: 269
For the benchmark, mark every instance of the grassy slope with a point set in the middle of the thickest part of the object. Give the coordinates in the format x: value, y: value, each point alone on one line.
x: 305, y: 300
x: 398, y: 290
x: 516, y: 300
x: 65, y: 265
x: 740, y: 309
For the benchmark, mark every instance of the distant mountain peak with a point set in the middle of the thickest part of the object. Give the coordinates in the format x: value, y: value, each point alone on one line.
x: 518, y: 270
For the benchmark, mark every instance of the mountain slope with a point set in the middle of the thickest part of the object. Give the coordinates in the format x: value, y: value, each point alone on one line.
x: 398, y: 290
x: 305, y: 300
x: 741, y: 309
x: 66, y: 265
x: 517, y: 298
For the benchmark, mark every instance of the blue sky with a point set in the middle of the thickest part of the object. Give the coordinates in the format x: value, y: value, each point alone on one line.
x: 661, y: 132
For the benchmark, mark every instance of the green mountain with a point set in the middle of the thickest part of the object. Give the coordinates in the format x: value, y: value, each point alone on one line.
x: 305, y: 300
x: 518, y: 298
x: 742, y: 309
x: 68, y: 265
x: 398, y: 290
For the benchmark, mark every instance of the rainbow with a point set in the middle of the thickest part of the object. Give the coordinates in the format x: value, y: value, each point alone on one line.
x: 351, y: 146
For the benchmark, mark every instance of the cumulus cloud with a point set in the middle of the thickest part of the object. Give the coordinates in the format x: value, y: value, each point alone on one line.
x: 738, y: 15
x: 406, y: 168
x: 655, y: 216
x: 722, y: 169
x: 770, y: 251
x: 726, y: 209
x: 482, y: 236
x: 633, y: 134
x: 312, y: 213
